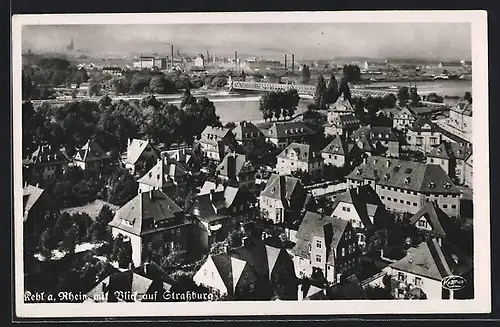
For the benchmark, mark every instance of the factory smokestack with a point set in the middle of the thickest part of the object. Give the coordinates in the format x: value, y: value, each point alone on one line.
x: 285, y: 62
x: 171, y: 56
x: 236, y: 62
x: 293, y: 63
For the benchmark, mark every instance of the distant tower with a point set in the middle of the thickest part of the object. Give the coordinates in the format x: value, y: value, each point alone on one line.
x: 71, y: 45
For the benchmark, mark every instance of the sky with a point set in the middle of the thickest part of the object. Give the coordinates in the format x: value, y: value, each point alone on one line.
x: 432, y: 41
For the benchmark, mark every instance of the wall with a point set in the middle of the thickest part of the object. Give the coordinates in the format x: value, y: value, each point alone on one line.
x: 423, y: 141
x: 444, y: 163
x: 432, y: 288
x: 270, y: 205
x: 334, y: 159
x: 450, y: 204
x: 412, y: 202
x: 348, y: 212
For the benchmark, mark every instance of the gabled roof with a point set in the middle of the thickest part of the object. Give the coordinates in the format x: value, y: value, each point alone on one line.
x: 233, y: 164
x: 433, y: 261
x: 340, y: 146
x: 145, y: 279
x: 219, y: 132
x: 329, y: 228
x: 365, y: 201
x: 303, y: 152
x: 136, y: 149
x: 245, y: 127
x: 91, y: 151
x: 280, y: 187
x: 342, y: 105
x: 404, y: 113
x: 262, y: 258
x: 33, y: 194
x: 439, y: 221
x: 418, y: 111
x: 374, y: 133
x: 214, y: 198
x: 423, y: 124
x: 163, y: 173
x: 46, y: 155
x: 154, y: 205
x: 234, y: 272
x: 409, y: 175
x: 451, y: 150
x: 288, y: 129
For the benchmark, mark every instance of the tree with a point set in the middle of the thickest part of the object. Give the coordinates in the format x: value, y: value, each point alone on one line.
x: 433, y: 97
x: 320, y: 92
x: 270, y: 105
x: 403, y: 96
x: 122, y: 187
x: 352, y: 73
x: 94, y: 88
x: 161, y: 84
x: 344, y: 88
x: 305, y: 75
x: 187, y: 99
x: 332, y: 92
x: 290, y: 101
x: 414, y: 97
x: 70, y: 239
x: 81, y: 76
x: 105, y: 101
x: 99, y: 228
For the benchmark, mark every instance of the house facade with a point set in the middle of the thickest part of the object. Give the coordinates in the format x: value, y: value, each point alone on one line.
x: 423, y: 136
x: 91, y: 157
x: 326, y: 246
x: 36, y: 204
x: 237, y: 171
x: 343, y: 125
x: 455, y: 159
x: 362, y: 207
x: 340, y: 152
x: 141, y: 156
x: 218, y: 210
x: 155, y: 226
x: 339, y: 108
x: 282, y: 199
x: 168, y: 176
x: 377, y: 140
x: 248, y: 135
x: 403, y: 119
x: 405, y: 186
x: 459, y: 124
x: 46, y: 162
x: 215, y: 142
x: 298, y: 156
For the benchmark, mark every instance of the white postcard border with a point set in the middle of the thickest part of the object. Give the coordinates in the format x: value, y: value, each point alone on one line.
x: 482, y: 276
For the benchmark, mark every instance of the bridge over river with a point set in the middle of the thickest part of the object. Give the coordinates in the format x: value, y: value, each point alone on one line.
x: 302, y: 89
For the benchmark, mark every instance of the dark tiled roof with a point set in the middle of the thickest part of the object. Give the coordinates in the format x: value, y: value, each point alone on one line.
x: 153, y: 204
x: 340, y: 145
x: 423, y: 124
x: 404, y: 113
x: 233, y: 271
x: 262, y: 258
x: 342, y: 105
x: 450, y: 150
x: 450, y: 135
x: 220, y: 132
x: 163, y: 173
x: 374, y: 133
x: 439, y: 221
x: 280, y: 187
x: 136, y: 149
x: 409, y: 175
x: 303, y: 152
x: 33, y: 194
x: 239, y: 165
x: 141, y: 280
x: 431, y: 260
x: 365, y: 201
x: 288, y: 129
x: 46, y: 155
x: 91, y: 151
x: 246, y: 128
x: 329, y: 228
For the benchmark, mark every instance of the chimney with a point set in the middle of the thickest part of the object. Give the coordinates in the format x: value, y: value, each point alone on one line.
x: 145, y: 267
x: 293, y: 63
x: 37, y: 185
x: 104, y: 288
x: 25, y: 184
x: 129, y: 142
x: 285, y: 61
x: 388, y: 164
x: 300, y: 293
x: 212, y: 192
x: 364, y: 160
x: 263, y: 235
x: 151, y: 194
x: 245, y: 241
x: 226, y: 248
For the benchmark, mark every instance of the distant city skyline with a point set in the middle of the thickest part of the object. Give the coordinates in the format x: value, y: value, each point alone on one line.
x: 430, y: 41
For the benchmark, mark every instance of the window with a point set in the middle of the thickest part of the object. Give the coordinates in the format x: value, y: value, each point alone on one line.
x: 422, y: 223
x: 343, y: 252
x: 395, y: 200
x: 343, y: 209
x: 389, y: 198
x: 150, y: 246
x: 204, y: 272
x: 401, y: 277
x: 418, y: 281
x: 382, y: 187
x: 318, y: 244
x: 401, y: 201
x: 408, y: 202
x: 318, y: 257
x: 213, y: 275
x: 445, y: 206
x: 432, y: 160
x: 414, y: 204
x: 453, y: 206
x: 382, y: 197
x: 250, y: 287
x: 348, y: 209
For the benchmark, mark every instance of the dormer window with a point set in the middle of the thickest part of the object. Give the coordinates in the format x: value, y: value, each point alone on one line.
x: 447, y: 185
x: 273, y: 190
x: 432, y: 185
x: 407, y: 180
x: 379, y: 135
x: 439, y: 151
x: 386, y: 177
x: 358, y: 172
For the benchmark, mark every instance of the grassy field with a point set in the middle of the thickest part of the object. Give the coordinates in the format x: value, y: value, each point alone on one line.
x: 92, y: 209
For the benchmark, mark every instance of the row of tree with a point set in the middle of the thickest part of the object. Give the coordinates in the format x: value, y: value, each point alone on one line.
x: 279, y: 104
